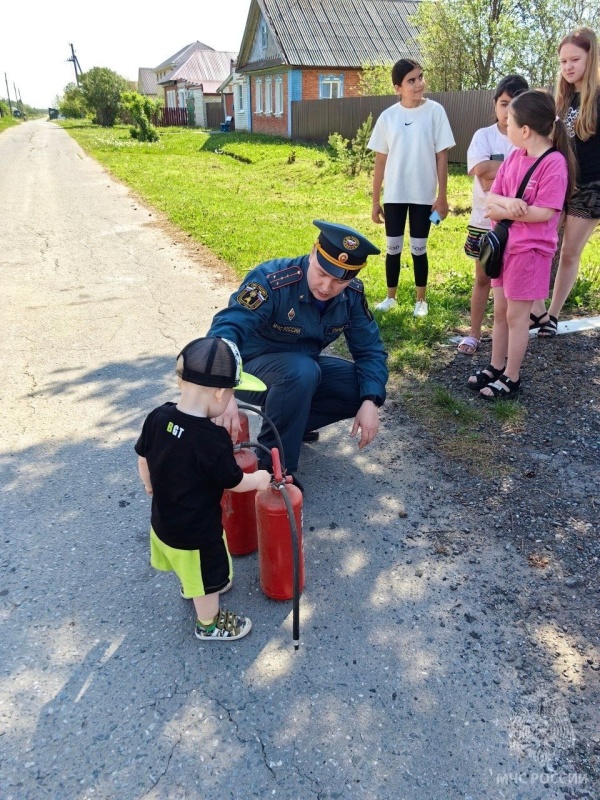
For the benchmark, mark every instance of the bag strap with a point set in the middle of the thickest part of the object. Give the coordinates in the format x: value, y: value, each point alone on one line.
x: 530, y: 171
x: 521, y: 190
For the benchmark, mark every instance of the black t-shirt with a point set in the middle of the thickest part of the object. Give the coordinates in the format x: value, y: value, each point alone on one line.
x: 191, y: 462
x: 587, y: 153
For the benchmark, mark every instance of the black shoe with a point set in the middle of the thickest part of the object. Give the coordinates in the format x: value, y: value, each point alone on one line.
x: 311, y: 436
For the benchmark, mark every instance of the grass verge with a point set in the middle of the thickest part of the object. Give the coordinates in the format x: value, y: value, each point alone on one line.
x: 249, y: 198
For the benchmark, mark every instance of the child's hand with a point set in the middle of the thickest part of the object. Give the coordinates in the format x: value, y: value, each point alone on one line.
x: 516, y: 207
x: 263, y: 479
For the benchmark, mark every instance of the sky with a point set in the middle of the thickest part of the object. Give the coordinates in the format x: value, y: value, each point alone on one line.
x: 120, y: 34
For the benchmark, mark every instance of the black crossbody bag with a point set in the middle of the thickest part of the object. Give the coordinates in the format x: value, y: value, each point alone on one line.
x: 493, y: 244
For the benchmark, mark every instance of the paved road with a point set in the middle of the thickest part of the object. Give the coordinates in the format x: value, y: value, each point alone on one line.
x: 396, y: 692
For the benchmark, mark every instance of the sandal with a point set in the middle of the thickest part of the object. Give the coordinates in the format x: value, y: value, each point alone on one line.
x: 548, y: 329
x: 536, y: 322
x: 502, y: 388
x: 468, y: 345
x: 483, y: 377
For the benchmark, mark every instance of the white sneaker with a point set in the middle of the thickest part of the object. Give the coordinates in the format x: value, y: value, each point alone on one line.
x: 386, y: 304
x: 421, y: 309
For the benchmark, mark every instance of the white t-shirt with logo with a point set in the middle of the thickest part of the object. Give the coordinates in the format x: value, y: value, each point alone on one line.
x: 486, y: 142
x: 411, y: 137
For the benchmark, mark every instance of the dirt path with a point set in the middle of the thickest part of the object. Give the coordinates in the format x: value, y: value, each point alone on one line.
x: 426, y: 670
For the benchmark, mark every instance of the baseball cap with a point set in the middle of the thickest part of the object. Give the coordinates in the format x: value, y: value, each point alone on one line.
x: 342, y: 251
x: 213, y: 361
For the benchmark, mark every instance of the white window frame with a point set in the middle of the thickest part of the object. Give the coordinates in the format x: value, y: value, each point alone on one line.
x: 258, y: 93
x: 238, y: 101
x: 278, y: 95
x: 329, y: 82
x: 268, y: 95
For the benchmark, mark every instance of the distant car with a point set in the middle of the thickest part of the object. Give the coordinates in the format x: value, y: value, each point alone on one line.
x: 16, y: 112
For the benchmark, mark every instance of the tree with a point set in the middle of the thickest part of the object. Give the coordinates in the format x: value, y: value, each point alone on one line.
x: 471, y: 44
x: 102, y: 89
x: 376, y: 79
x: 72, y: 103
x: 141, y: 109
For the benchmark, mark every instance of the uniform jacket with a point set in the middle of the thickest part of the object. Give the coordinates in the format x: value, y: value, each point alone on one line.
x: 272, y: 312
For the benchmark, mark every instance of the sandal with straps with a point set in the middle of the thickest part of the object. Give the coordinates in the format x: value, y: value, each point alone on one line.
x: 484, y: 376
x: 548, y: 329
x: 536, y: 322
x: 502, y: 388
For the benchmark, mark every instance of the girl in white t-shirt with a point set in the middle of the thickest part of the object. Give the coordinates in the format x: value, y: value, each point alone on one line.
x: 488, y: 149
x: 411, y: 141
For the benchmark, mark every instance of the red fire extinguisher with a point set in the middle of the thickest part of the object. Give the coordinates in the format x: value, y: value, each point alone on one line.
x: 280, y: 558
x: 239, y: 514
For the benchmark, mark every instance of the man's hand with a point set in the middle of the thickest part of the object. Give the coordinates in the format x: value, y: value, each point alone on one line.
x: 230, y: 419
x: 367, y: 419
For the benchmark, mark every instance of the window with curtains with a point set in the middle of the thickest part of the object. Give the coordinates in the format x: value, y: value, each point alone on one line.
x: 258, y: 94
x: 279, y: 95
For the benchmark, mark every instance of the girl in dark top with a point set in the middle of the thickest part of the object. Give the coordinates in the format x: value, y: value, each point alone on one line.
x: 578, y: 105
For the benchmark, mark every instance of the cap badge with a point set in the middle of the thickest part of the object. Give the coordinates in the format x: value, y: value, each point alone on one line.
x: 350, y: 242
x: 343, y: 257
x: 291, y: 314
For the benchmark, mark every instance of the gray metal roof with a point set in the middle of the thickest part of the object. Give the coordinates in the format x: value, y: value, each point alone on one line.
x: 202, y: 66
x: 333, y: 33
x: 147, y: 81
x: 181, y: 56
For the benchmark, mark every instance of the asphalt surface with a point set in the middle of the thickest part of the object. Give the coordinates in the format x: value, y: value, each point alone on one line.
x: 397, y: 690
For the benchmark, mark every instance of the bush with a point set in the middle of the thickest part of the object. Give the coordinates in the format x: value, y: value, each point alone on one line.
x: 141, y: 109
x: 352, y: 157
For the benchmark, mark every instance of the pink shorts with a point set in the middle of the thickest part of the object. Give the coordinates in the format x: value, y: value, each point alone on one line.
x: 525, y: 276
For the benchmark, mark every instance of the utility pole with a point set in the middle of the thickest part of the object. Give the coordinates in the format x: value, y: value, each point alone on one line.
x: 76, y: 65
x: 8, y: 93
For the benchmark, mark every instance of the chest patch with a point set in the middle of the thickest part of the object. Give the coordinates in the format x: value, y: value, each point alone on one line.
x: 252, y: 296
x: 294, y: 330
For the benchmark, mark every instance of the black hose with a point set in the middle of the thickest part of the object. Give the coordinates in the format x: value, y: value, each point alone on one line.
x: 269, y: 421
x: 296, y: 560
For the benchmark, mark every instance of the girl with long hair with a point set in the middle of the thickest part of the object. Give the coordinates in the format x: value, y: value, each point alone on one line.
x: 578, y: 104
x: 536, y: 130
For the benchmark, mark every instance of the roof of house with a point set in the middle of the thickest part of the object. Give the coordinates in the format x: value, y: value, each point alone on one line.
x: 147, y: 81
x: 332, y: 33
x: 182, y: 55
x: 203, y: 66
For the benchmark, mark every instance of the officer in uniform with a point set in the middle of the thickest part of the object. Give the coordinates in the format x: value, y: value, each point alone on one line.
x: 282, y: 317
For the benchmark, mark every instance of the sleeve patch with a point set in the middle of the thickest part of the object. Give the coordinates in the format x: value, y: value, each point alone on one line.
x: 252, y: 296
x: 284, y: 277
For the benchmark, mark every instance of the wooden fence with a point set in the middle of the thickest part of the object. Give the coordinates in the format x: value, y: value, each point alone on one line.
x: 167, y: 117
x: 214, y: 116
x: 315, y: 120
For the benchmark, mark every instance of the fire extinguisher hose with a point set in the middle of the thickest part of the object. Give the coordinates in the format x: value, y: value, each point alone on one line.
x: 296, y: 563
x: 271, y: 424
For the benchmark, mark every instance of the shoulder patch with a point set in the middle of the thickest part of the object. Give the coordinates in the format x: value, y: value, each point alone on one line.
x: 357, y: 285
x: 252, y: 296
x: 284, y: 277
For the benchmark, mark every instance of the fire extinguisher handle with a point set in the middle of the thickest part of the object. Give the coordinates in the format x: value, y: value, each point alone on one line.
x: 276, y: 465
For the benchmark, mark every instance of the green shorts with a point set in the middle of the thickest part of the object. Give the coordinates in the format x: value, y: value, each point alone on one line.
x: 200, y: 572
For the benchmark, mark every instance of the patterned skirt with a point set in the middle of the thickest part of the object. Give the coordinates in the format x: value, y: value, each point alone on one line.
x: 585, y: 201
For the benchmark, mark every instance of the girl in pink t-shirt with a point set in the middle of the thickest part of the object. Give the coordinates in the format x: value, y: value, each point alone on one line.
x: 533, y: 128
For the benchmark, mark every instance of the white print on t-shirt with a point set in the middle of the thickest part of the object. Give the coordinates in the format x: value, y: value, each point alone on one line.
x: 175, y: 430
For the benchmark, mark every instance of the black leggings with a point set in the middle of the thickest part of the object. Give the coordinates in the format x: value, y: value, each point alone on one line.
x: 419, y: 224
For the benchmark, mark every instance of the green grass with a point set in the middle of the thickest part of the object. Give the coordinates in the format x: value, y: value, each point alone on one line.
x: 247, y: 199
x: 7, y: 122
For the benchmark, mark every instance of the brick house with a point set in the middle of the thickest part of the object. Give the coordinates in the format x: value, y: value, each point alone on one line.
x: 312, y: 49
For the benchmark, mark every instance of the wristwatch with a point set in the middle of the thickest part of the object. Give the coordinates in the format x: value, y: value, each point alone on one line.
x: 374, y: 397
